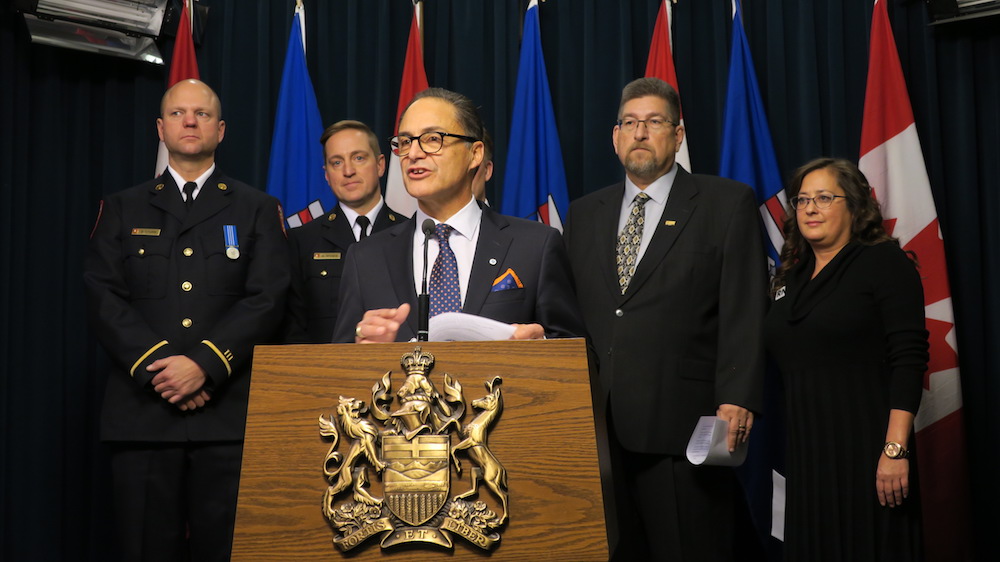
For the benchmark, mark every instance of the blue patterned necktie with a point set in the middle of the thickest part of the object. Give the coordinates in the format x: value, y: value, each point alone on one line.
x: 627, y: 249
x: 446, y: 295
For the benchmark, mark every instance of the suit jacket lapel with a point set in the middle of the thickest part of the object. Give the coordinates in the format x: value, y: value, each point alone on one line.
x: 488, y: 263
x: 385, y: 219
x: 399, y: 257
x: 680, y: 204
x: 606, y: 229
x: 337, y: 229
x: 213, y: 197
x: 167, y: 197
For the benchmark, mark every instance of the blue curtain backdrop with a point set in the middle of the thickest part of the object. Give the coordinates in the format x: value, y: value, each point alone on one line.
x: 75, y: 126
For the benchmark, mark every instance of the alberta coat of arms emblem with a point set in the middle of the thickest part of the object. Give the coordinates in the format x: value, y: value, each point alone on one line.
x: 410, y: 451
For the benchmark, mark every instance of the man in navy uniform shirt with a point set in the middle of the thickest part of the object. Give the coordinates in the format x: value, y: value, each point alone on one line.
x: 183, y: 276
x: 353, y: 163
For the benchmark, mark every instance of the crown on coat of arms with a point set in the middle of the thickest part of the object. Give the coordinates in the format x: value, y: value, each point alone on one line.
x: 417, y: 362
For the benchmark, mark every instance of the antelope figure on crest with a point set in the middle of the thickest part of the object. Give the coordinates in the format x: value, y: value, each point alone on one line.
x: 475, y: 433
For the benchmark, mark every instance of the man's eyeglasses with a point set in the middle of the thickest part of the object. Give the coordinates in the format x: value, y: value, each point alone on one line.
x: 430, y: 143
x: 654, y: 124
x: 822, y: 201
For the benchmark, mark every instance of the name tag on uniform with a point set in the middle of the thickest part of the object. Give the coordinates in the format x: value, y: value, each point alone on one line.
x: 145, y: 232
x: 326, y: 256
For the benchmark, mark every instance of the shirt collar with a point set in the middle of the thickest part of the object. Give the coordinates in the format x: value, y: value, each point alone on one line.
x: 353, y: 215
x: 200, y: 180
x: 657, y: 191
x: 465, y: 222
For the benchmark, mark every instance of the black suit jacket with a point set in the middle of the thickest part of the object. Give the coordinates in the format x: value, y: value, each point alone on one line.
x: 160, y: 283
x: 379, y: 274
x: 318, y: 251
x: 686, y: 337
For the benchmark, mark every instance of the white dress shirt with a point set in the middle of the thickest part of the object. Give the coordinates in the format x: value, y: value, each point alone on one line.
x: 181, y: 181
x: 462, y: 241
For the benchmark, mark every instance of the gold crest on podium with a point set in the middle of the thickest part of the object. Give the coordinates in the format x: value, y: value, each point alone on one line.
x: 410, y: 451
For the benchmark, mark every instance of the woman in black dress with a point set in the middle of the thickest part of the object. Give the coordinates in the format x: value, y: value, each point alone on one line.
x: 846, y: 328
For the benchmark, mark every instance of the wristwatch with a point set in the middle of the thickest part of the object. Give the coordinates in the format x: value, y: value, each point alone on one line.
x: 894, y: 450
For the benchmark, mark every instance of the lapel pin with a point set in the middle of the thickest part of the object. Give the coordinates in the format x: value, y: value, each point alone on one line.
x: 669, y: 222
x: 493, y: 261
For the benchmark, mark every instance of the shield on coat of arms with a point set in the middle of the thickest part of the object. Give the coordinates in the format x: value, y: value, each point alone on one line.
x: 417, y: 476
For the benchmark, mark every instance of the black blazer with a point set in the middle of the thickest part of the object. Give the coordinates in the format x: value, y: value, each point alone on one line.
x: 379, y: 274
x: 160, y: 283
x: 686, y: 337
x: 318, y: 251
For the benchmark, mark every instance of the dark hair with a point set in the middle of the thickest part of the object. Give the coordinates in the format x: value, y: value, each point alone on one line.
x: 643, y: 87
x: 353, y: 125
x: 866, y: 216
x: 465, y: 111
x: 487, y: 146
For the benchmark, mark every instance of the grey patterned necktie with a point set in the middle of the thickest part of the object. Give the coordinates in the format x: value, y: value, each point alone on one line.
x: 627, y: 250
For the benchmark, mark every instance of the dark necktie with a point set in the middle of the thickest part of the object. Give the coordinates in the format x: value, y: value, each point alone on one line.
x: 189, y: 188
x: 627, y: 250
x: 446, y: 295
x: 363, y: 222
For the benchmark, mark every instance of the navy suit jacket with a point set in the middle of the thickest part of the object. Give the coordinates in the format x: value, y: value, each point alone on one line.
x: 318, y: 251
x: 687, y: 335
x: 160, y: 283
x: 379, y: 274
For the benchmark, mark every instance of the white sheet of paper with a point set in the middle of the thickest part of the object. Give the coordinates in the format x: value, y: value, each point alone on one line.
x: 458, y: 326
x: 708, y: 444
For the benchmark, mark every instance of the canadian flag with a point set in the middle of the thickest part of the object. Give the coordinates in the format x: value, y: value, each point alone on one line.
x: 414, y: 82
x: 892, y: 161
x: 183, y: 66
x: 660, y: 64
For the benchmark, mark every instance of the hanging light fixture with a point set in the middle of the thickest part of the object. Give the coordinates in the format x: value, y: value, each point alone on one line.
x: 123, y: 28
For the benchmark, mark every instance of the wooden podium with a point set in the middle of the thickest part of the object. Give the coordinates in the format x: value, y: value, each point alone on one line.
x: 544, y: 437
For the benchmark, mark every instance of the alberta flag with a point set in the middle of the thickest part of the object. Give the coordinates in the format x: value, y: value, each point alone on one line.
x: 534, y: 180
x: 748, y: 156
x: 747, y: 150
x: 893, y: 162
x: 295, y: 174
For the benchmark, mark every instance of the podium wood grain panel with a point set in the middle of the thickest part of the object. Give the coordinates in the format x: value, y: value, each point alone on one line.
x: 544, y: 438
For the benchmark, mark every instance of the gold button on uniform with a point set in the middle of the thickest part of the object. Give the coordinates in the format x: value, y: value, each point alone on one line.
x: 186, y: 285
x: 322, y: 273
x: 186, y: 322
x: 142, y: 251
x: 188, y: 252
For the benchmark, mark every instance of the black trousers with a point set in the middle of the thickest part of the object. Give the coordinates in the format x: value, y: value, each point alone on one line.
x: 668, y: 509
x: 175, y: 501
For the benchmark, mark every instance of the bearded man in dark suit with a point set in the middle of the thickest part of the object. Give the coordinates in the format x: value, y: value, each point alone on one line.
x: 671, y: 280
x: 508, y: 269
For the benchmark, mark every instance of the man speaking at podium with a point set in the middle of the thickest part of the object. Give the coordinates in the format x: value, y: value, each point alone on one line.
x: 477, y: 261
